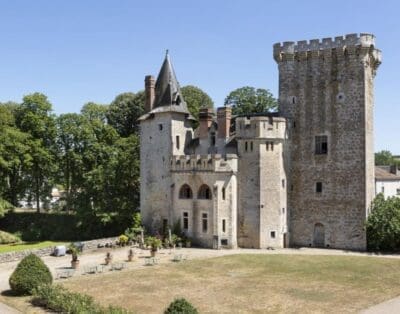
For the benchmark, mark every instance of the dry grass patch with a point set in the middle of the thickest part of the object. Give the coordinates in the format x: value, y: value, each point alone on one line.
x: 251, y: 283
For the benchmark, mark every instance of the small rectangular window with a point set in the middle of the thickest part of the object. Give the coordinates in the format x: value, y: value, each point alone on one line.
x: 245, y: 146
x: 273, y: 234
x: 223, y: 225
x: 318, y: 187
x: 267, y: 145
x: 223, y: 193
x: 224, y: 242
x: 283, y: 183
x: 251, y: 146
x: 177, y: 142
x: 204, y: 223
x: 321, y: 145
x: 213, y: 139
x: 160, y: 127
x: 272, y: 145
x: 185, y: 220
x: 165, y: 225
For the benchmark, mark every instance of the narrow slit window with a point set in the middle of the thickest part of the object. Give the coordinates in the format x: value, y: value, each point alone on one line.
x: 185, y: 220
x: 245, y: 146
x: 318, y: 187
x: 251, y: 146
x: 223, y: 193
x: 204, y: 223
x: 223, y: 225
x: 177, y: 142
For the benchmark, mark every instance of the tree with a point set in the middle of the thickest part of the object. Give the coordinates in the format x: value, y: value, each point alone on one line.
x: 383, y: 224
x: 195, y: 99
x: 124, y: 112
x: 247, y: 100
x: 93, y: 111
x: 35, y: 118
x: 385, y: 158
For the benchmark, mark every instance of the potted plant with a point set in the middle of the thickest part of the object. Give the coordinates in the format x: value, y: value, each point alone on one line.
x: 175, y: 240
x: 123, y: 240
x: 108, y: 258
x: 130, y: 255
x: 154, y: 244
x: 74, y: 253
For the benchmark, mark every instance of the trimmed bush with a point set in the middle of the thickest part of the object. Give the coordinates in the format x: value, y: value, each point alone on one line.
x: 181, y: 306
x: 59, y: 299
x: 8, y: 238
x: 30, y: 273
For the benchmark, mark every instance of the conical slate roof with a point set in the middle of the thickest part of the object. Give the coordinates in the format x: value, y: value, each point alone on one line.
x: 168, y: 95
x: 167, y: 89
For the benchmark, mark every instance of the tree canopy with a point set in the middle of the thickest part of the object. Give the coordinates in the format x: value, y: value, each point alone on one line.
x: 385, y: 158
x: 195, y: 99
x: 247, y: 100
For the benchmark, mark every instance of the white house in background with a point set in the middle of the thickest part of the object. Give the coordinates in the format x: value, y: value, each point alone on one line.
x: 387, y: 181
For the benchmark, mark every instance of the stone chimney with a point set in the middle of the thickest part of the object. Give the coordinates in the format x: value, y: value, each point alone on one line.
x: 205, y: 119
x: 224, y: 115
x: 149, y: 88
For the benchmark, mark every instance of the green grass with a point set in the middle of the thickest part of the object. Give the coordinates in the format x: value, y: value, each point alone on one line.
x: 251, y: 284
x: 4, y: 248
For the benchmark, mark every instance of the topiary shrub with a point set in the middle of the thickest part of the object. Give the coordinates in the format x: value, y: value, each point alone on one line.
x: 30, y: 273
x: 181, y: 306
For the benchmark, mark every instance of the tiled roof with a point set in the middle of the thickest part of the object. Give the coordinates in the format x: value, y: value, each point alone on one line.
x: 384, y: 174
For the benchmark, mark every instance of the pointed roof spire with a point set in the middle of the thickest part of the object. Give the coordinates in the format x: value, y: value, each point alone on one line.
x: 167, y: 89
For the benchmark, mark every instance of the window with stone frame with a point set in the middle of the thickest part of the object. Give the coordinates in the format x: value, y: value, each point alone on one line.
x: 321, y: 145
x: 185, y: 192
x: 224, y: 225
x: 318, y: 187
x: 204, y: 192
x: 204, y: 222
x: 185, y: 221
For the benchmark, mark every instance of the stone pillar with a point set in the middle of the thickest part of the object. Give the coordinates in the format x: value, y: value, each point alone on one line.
x: 224, y: 121
x: 149, y: 87
x: 205, y: 119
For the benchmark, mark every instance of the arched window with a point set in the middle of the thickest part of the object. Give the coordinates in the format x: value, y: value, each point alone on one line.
x: 204, y: 192
x: 185, y: 192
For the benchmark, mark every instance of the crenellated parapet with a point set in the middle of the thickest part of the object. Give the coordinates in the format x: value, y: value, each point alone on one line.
x: 263, y: 127
x: 350, y: 44
x: 213, y: 163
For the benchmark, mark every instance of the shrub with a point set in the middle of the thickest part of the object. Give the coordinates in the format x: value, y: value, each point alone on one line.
x: 30, y: 273
x: 181, y: 306
x: 8, y: 238
x: 59, y: 299
x: 383, y: 224
x: 123, y: 239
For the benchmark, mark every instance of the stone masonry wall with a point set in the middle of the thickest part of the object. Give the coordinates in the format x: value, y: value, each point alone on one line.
x: 326, y: 88
x: 18, y: 255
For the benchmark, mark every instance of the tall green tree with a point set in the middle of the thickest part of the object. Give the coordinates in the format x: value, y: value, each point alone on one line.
x: 195, y: 99
x: 34, y: 117
x: 248, y: 100
x: 124, y: 112
x: 14, y: 155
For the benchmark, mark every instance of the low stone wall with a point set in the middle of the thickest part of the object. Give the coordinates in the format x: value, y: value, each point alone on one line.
x: 18, y: 255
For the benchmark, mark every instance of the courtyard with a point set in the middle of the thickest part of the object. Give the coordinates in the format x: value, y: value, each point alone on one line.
x: 231, y: 281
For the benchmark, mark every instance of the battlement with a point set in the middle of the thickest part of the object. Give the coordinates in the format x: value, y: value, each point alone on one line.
x: 265, y: 127
x: 214, y: 163
x: 316, y: 45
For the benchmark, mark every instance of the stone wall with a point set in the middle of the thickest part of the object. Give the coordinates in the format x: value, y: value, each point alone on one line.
x: 18, y: 255
x: 326, y: 88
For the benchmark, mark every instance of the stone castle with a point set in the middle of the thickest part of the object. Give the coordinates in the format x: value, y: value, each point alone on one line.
x: 303, y: 176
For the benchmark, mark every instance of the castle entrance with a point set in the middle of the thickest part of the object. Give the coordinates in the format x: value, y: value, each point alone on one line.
x: 319, y: 235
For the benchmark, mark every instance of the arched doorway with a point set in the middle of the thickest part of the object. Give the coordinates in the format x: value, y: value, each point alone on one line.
x: 319, y: 235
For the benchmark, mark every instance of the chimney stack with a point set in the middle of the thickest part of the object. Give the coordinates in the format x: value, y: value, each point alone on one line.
x: 205, y: 119
x: 224, y: 115
x: 149, y: 87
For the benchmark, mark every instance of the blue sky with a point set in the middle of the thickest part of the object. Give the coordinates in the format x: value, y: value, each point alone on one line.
x: 80, y: 51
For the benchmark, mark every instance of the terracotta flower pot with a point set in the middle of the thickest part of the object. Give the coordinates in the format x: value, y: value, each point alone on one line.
x: 75, y: 264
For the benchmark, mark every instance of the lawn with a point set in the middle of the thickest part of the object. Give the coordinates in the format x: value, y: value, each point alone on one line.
x: 251, y: 283
x: 4, y: 248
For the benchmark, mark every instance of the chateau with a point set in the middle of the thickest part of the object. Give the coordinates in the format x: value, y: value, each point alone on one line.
x: 303, y: 176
